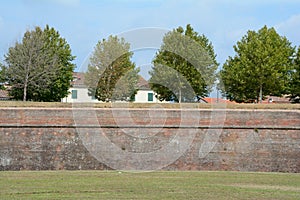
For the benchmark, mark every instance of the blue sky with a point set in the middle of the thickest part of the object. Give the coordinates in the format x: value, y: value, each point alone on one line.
x: 84, y: 22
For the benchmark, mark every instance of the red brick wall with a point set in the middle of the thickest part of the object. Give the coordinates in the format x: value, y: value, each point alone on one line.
x: 149, y: 139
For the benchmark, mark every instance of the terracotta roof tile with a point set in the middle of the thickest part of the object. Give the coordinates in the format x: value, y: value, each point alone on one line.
x: 78, y: 79
x: 143, y: 84
x: 216, y: 100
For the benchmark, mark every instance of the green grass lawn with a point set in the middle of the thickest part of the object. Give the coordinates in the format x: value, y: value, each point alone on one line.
x: 148, y: 185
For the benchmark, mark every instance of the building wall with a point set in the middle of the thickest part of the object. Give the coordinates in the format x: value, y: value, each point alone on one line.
x: 82, y: 96
x: 142, y: 96
x: 66, y: 138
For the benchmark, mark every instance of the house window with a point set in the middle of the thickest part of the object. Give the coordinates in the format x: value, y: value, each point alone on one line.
x: 74, y: 94
x: 150, y: 96
x: 132, y: 98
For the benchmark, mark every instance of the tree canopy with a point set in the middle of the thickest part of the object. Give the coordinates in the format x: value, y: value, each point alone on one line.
x: 40, y: 67
x: 295, y: 79
x: 111, y: 75
x: 2, y: 79
x: 260, y: 67
x: 184, y: 67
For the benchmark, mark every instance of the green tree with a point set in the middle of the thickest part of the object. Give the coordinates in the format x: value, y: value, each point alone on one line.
x: 295, y: 79
x: 260, y: 67
x: 60, y: 50
x: 2, y: 79
x: 111, y: 75
x: 39, y: 68
x: 184, y: 67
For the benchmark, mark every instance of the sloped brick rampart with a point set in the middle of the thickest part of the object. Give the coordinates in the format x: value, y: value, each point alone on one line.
x: 242, y: 140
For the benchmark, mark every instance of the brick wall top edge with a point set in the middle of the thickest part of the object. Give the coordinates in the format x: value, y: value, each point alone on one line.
x: 167, y: 109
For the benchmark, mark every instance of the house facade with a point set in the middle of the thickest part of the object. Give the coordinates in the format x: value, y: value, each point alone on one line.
x: 144, y: 93
x: 79, y: 93
x: 4, y: 93
x: 4, y: 96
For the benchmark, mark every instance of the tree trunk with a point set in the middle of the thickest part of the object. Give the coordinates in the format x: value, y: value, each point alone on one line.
x: 179, y: 86
x: 179, y: 99
x: 260, y: 94
x: 25, y: 92
x: 25, y: 88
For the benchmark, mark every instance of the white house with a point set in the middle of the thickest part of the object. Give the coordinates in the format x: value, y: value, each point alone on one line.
x: 145, y: 94
x: 79, y: 93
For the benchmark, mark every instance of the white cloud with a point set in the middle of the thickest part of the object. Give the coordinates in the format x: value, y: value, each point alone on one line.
x: 67, y: 2
x: 60, y: 2
x: 291, y: 29
x: 253, y: 2
x: 289, y: 23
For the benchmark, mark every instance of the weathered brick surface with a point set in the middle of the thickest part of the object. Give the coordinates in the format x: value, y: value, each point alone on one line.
x: 244, y: 140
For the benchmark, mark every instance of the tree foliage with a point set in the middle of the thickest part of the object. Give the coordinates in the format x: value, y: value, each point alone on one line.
x: 184, y: 67
x: 2, y: 79
x: 260, y: 67
x: 295, y: 79
x: 111, y: 75
x: 40, y: 67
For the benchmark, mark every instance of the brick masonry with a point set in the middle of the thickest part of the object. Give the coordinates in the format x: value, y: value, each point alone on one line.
x: 149, y: 139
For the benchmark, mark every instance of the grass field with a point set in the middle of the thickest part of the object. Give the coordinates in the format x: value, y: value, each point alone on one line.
x: 150, y: 105
x: 148, y: 185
